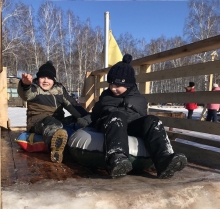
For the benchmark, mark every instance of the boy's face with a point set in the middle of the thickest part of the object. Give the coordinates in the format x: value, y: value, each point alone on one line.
x: 45, y: 83
x: 117, y: 90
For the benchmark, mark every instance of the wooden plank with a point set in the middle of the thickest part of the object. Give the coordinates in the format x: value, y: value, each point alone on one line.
x: 193, y: 125
x: 180, y: 97
x: 179, y: 72
x: 169, y: 114
x: 8, y: 172
x: 199, y: 155
x: 144, y: 87
x: 102, y: 84
x: 89, y: 92
x: 173, y: 135
x: 18, y: 128
x: 182, y: 51
x: 4, y: 99
x: 1, y: 36
x: 1, y: 157
x: 99, y: 89
x: 183, y: 97
x: 202, y: 117
x: 101, y: 72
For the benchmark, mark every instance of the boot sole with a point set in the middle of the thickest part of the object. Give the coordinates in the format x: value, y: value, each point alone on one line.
x: 58, y: 143
x: 177, y: 164
x: 121, y: 168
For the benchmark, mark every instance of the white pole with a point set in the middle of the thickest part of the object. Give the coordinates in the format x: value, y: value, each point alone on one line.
x: 106, y: 34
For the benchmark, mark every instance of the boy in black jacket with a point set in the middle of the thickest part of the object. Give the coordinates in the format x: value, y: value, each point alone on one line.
x: 121, y: 111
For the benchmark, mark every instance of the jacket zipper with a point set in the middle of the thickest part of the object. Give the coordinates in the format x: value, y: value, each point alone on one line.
x: 55, y: 101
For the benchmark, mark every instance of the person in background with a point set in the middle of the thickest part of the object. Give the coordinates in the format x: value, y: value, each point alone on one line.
x: 190, y: 106
x: 121, y: 111
x: 213, y: 108
x: 46, y: 99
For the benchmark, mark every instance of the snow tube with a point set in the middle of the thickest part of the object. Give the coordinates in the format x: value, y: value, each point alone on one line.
x: 86, y: 147
x: 32, y: 142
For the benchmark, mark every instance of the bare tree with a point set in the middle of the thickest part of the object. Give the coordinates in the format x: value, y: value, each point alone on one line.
x: 128, y: 44
x: 48, y: 20
x: 156, y: 46
x: 31, y: 54
x: 11, y: 35
x: 96, y: 49
x: 62, y: 39
x: 72, y: 22
x: 203, y: 22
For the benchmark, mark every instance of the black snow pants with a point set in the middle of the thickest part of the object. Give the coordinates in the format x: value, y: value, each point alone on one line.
x: 116, y: 130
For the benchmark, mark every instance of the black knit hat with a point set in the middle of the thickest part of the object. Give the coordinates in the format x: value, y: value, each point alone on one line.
x: 191, y: 84
x: 122, y: 73
x: 47, y: 70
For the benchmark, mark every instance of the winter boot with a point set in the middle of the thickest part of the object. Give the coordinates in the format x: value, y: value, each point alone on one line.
x: 58, y: 142
x: 167, y: 166
x: 119, y: 165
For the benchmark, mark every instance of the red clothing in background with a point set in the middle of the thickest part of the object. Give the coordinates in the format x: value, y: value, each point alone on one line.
x: 190, y: 106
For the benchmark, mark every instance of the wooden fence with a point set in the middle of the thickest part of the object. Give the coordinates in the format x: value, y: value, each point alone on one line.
x: 94, y: 85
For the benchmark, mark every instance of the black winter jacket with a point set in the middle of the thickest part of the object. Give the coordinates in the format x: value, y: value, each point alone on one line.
x: 131, y: 103
x: 42, y: 103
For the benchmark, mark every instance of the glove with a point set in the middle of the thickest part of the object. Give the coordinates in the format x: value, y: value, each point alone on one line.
x: 84, y: 121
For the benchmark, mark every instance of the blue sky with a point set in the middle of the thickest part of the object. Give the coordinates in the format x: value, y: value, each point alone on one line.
x: 142, y: 19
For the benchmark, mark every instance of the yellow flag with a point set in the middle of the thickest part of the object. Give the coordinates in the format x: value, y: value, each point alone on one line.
x: 114, y: 53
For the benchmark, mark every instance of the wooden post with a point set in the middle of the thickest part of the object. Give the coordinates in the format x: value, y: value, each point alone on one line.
x: 4, y: 99
x: 88, y: 97
x: 213, y: 54
x: 1, y: 36
x: 2, y: 123
x: 144, y: 88
x: 100, y: 78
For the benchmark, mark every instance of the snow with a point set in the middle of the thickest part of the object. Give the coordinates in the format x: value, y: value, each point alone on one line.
x: 18, y: 116
x: 112, y: 194
x: 196, y: 113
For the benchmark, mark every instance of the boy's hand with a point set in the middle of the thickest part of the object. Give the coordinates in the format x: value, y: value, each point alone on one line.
x: 84, y: 121
x: 27, y: 79
x: 81, y: 122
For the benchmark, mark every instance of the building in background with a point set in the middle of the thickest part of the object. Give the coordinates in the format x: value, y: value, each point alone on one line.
x: 14, y: 100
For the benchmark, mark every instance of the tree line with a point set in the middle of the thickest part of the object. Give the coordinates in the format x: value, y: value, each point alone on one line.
x: 29, y: 39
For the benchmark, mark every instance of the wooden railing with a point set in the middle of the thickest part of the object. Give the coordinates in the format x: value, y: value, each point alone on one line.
x: 4, y: 100
x: 94, y: 83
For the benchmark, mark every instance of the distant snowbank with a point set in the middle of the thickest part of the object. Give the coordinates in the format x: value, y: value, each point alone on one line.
x: 17, y: 115
x: 196, y: 113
